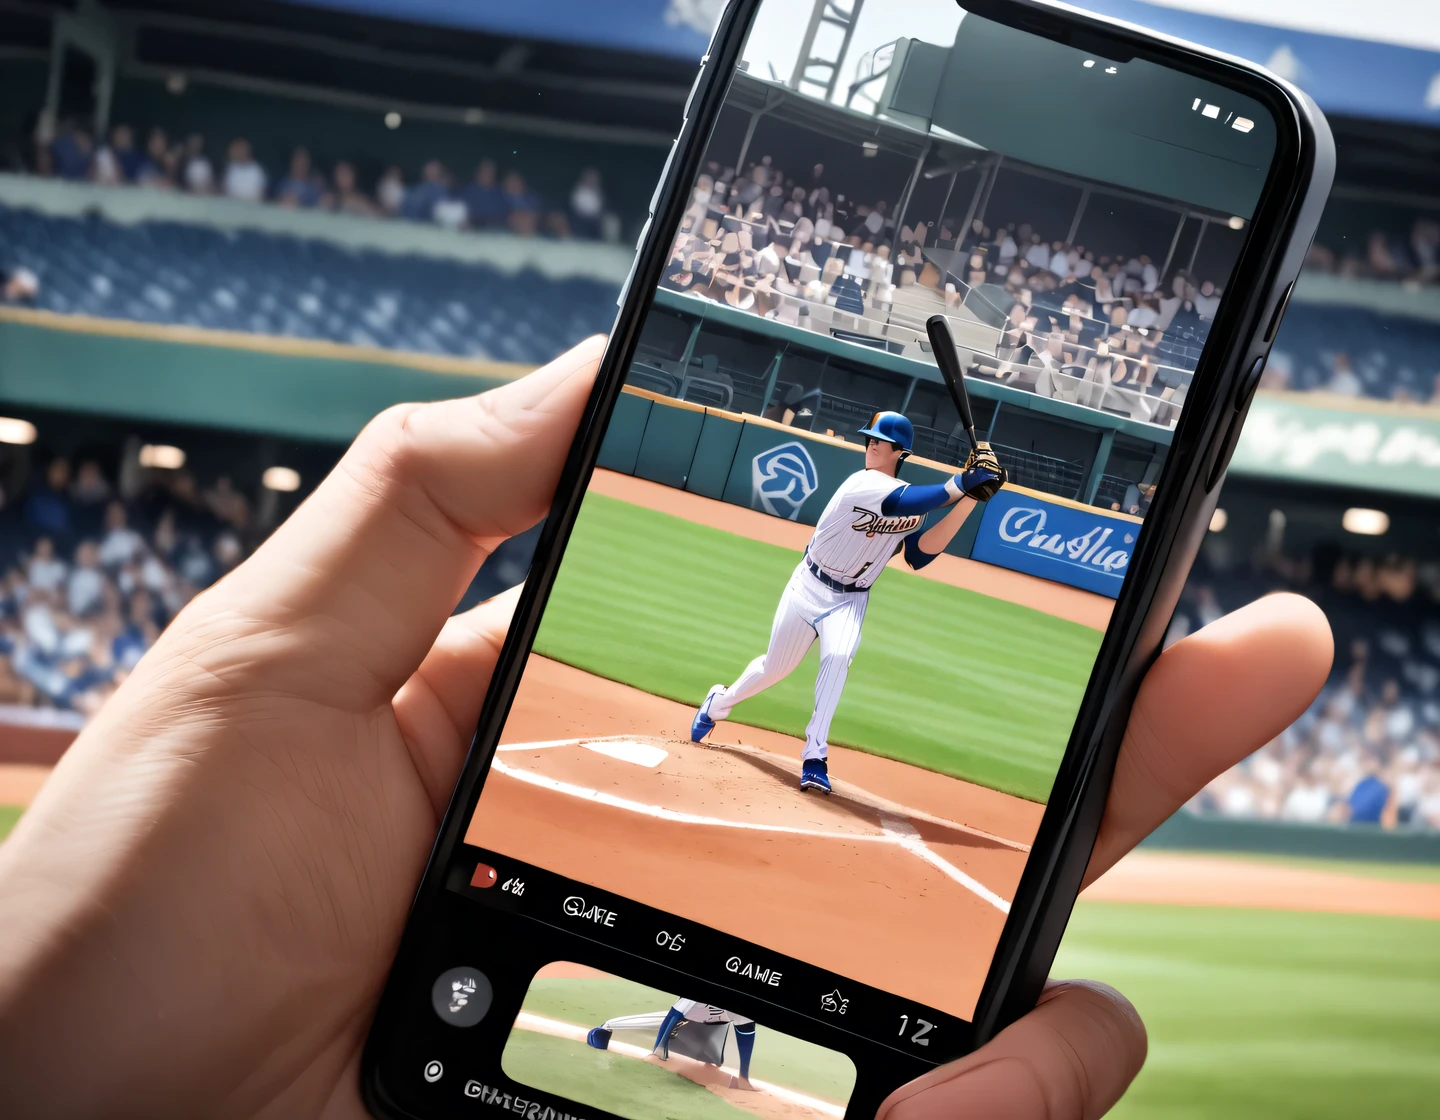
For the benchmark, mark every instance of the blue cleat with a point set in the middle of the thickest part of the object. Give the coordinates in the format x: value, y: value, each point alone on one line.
x: 814, y: 774
x: 599, y: 1038
x: 702, y: 724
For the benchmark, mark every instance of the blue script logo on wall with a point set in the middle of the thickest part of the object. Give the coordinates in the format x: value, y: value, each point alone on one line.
x: 782, y: 478
x: 1086, y: 548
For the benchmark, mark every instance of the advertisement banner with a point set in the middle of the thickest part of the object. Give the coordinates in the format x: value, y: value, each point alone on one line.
x: 1083, y: 547
x: 1377, y: 447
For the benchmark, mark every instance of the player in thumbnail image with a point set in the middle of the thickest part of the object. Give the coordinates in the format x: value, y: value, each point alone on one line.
x: 871, y: 517
x: 692, y: 1030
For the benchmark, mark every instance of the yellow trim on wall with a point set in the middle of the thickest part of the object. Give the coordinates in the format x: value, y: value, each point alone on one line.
x: 264, y: 343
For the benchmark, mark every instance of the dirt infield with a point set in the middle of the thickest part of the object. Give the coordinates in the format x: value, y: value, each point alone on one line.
x: 1182, y: 879
x: 1056, y: 599
x: 720, y: 833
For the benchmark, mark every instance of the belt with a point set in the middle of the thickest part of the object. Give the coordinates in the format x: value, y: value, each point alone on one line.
x: 830, y: 581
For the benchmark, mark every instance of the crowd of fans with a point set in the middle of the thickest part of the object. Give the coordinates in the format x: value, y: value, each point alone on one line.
x: 1411, y: 259
x: 490, y: 199
x: 1104, y: 330
x: 1368, y: 749
x: 91, y: 579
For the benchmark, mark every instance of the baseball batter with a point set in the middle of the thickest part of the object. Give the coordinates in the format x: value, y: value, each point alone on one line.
x: 871, y: 517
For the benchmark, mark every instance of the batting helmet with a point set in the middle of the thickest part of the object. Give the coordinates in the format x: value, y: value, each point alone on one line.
x: 892, y: 427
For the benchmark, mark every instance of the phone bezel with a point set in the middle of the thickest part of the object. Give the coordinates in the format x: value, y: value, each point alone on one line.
x: 1279, y: 235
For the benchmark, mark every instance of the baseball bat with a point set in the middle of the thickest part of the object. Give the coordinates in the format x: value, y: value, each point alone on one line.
x: 948, y: 360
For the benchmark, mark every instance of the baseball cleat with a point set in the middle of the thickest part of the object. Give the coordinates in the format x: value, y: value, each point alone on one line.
x: 702, y: 724
x: 599, y: 1038
x: 814, y: 774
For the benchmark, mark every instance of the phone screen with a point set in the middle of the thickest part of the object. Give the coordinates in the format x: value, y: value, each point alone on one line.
x: 798, y: 698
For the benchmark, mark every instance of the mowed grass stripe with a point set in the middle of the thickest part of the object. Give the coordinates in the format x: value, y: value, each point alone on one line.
x: 947, y: 679
x: 1263, y: 1014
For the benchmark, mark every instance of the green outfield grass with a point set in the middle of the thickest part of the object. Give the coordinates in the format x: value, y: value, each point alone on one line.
x: 1266, y: 1014
x: 778, y: 1058
x: 946, y: 679
x: 609, y: 1081
x: 9, y: 814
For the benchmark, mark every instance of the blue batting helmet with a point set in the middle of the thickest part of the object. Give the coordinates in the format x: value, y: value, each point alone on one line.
x: 892, y: 427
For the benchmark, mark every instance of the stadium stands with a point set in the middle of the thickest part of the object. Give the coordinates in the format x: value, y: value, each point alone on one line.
x: 1368, y: 749
x: 165, y: 272
x: 1356, y: 352
x: 89, y: 576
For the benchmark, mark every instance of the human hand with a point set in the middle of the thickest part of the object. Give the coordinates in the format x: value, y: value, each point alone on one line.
x: 1207, y: 702
x: 198, y: 912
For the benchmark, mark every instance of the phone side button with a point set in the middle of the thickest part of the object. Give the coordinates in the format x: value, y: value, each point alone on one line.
x: 1245, y: 389
x: 1243, y: 392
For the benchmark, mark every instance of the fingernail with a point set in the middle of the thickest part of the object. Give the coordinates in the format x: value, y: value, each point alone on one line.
x: 1000, y: 1090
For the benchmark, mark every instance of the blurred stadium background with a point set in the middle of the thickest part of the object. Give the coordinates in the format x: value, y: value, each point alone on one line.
x: 232, y: 232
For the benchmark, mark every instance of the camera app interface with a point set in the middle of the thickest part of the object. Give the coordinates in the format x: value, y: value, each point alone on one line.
x: 817, y: 645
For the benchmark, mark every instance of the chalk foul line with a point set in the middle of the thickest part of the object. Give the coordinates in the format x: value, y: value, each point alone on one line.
x: 894, y: 831
x: 559, y: 1029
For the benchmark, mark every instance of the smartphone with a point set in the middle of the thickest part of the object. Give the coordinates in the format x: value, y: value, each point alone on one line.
x: 796, y: 750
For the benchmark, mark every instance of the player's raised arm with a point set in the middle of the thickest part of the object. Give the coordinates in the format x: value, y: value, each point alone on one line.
x: 923, y: 545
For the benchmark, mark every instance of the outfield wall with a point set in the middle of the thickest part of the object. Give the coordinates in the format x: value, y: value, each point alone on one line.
x: 789, y: 473
x: 226, y: 379
x: 1187, y: 832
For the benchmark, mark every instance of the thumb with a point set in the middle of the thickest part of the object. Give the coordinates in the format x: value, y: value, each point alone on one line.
x: 348, y: 595
x: 1071, y: 1058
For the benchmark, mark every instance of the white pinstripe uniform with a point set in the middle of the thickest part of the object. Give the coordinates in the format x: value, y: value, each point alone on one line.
x: 851, y: 545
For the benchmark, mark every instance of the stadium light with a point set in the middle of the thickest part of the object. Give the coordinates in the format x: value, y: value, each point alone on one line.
x: 162, y: 457
x: 1243, y: 124
x: 1236, y: 222
x: 1218, y: 520
x: 393, y: 120
x: 16, y: 431
x: 1089, y: 62
x: 176, y: 83
x: 1366, y: 522
x: 284, y: 479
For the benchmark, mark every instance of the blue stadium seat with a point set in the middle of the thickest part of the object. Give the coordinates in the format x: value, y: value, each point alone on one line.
x: 167, y: 272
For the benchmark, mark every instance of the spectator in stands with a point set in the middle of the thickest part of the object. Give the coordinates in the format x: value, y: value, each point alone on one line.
x: 390, y: 191
x: 302, y: 186
x: 47, y: 509
x: 587, y: 206
x: 485, y: 202
x: 198, y: 173
x: 20, y: 286
x: 1207, y: 302
x: 245, y: 179
x: 85, y: 586
x: 45, y: 571
x: 71, y: 152
x: 158, y: 167
x: 118, y: 161
x: 1343, y: 380
x: 121, y: 545
x: 522, y: 207
x: 424, y: 196
x: 347, y: 197
x: 226, y: 504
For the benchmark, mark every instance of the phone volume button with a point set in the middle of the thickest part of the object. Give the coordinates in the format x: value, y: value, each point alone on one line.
x: 1245, y: 389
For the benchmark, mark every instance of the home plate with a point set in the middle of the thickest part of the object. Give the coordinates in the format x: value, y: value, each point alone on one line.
x: 628, y: 750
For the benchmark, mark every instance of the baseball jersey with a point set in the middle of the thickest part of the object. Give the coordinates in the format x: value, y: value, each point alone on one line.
x: 853, y: 541
x: 708, y: 1013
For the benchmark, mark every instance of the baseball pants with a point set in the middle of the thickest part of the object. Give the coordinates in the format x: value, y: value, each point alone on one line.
x: 808, y: 610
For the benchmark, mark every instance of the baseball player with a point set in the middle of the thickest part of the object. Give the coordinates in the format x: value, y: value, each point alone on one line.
x: 707, y: 1044
x: 871, y: 517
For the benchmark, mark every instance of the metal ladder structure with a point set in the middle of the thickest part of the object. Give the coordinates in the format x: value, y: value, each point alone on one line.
x: 817, y: 70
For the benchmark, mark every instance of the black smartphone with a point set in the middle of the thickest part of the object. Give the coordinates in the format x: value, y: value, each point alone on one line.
x: 799, y: 742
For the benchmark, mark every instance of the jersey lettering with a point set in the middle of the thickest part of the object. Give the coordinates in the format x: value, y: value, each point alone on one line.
x: 852, y: 540
x: 869, y: 522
